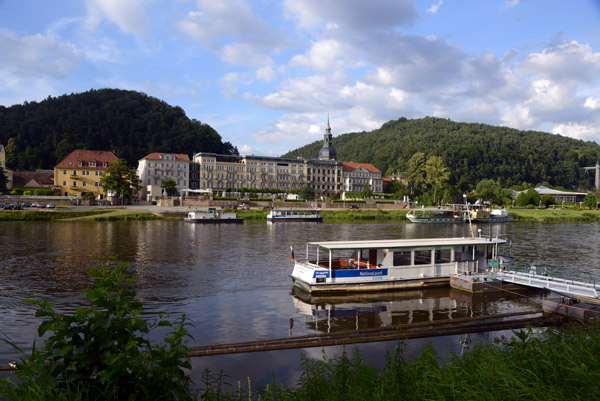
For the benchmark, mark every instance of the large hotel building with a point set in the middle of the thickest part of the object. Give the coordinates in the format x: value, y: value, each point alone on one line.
x: 219, y: 172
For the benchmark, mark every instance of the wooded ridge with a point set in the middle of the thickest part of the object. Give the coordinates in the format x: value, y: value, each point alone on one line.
x: 471, y: 151
x: 131, y: 124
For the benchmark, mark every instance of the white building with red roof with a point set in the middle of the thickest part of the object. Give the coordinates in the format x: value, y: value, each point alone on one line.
x: 81, y: 172
x: 356, y: 175
x: 157, y: 167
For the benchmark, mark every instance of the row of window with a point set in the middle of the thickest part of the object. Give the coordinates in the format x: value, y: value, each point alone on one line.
x: 97, y: 173
x: 422, y: 257
x: 83, y: 184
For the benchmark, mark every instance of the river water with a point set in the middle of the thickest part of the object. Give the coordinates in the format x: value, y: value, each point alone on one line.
x: 232, y: 281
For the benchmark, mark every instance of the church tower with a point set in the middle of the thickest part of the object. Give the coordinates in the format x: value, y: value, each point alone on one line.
x: 327, y: 152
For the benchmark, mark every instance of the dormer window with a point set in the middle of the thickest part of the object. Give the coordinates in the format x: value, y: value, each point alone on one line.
x: 92, y: 164
x: 105, y: 164
x: 80, y: 163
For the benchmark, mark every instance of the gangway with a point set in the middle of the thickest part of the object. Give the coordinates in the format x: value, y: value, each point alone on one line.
x: 563, y: 281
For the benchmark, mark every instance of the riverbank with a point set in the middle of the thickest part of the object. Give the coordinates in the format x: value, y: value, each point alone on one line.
x: 140, y: 213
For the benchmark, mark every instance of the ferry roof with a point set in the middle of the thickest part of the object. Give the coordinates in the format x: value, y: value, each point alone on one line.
x: 406, y: 243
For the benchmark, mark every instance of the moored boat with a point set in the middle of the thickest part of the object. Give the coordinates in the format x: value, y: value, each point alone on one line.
x: 442, y: 214
x: 384, y: 265
x: 294, y: 215
x: 213, y: 216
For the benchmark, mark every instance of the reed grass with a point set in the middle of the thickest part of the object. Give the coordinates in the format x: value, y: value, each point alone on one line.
x: 558, y: 365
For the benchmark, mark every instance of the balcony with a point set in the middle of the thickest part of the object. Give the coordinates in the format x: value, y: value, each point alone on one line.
x: 74, y: 177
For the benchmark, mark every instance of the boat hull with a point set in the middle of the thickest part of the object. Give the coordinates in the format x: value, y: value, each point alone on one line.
x: 391, y: 285
x: 283, y: 219
x: 216, y: 221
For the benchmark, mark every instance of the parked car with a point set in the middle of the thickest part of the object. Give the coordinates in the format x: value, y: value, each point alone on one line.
x: 26, y: 204
x: 352, y: 207
x: 2, y: 205
x: 50, y: 206
x: 37, y: 204
x: 15, y: 206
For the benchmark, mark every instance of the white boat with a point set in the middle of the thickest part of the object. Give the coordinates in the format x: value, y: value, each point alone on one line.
x: 294, y: 215
x: 213, y: 216
x: 383, y: 265
x: 443, y: 214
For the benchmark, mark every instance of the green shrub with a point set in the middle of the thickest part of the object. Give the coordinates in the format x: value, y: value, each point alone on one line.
x: 102, y: 351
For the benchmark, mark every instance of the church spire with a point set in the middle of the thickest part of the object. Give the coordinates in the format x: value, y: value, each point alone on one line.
x: 327, y: 152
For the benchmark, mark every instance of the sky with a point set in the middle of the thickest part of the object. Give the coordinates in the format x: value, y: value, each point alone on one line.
x: 266, y: 74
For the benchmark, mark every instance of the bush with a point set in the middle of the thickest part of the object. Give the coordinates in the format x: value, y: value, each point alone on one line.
x: 102, y: 351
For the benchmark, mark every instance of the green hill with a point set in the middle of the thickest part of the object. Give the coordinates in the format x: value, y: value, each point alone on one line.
x: 471, y: 151
x: 129, y: 123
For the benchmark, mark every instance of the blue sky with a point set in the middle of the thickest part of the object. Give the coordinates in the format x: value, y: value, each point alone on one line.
x: 265, y: 73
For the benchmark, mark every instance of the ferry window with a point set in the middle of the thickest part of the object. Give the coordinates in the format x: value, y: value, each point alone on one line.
x: 423, y: 257
x: 443, y: 255
x: 402, y: 258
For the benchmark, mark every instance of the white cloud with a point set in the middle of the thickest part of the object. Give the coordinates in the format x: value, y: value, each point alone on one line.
x: 592, y: 103
x: 577, y: 130
x: 130, y: 15
x: 435, y: 7
x: 230, y: 29
x: 37, y: 56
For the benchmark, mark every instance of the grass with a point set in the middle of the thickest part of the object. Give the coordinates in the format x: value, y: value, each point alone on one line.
x: 331, y: 216
x: 558, y: 365
x: 555, y: 215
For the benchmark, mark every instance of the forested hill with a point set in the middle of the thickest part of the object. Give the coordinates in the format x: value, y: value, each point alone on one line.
x: 471, y: 151
x: 129, y: 123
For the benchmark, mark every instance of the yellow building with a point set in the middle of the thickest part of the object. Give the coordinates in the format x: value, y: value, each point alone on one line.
x: 81, y: 171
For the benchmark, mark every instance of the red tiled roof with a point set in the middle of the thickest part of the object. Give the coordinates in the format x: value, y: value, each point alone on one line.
x: 87, y: 156
x: 157, y: 155
x: 21, y: 179
x: 351, y: 166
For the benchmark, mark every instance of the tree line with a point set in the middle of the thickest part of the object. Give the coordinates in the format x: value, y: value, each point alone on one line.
x: 38, y: 135
x: 471, y: 152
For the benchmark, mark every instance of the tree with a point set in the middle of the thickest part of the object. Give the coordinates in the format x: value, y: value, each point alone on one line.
x: 3, y: 180
x: 590, y: 201
x: 491, y: 190
x: 307, y: 193
x: 436, y: 173
x: 416, y: 173
x: 118, y: 177
x: 529, y: 197
x: 547, y: 200
x: 169, y: 186
x: 366, y: 192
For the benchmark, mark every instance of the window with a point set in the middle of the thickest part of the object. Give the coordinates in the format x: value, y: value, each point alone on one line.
x: 96, y: 184
x: 64, y: 172
x: 443, y: 255
x: 84, y: 184
x: 64, y: 183
x: 80, y: 163
x: 402, y: 258
x: 74, y: 183
x: 423, y: 257
x: 92, y: 164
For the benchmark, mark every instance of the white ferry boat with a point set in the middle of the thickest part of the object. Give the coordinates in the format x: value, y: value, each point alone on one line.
x: 294, y: 215
x: 443, y: 214
x: 213, y: 216
x: 383, y: 265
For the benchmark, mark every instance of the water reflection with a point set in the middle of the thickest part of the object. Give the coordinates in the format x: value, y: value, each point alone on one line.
x: 344, y: 313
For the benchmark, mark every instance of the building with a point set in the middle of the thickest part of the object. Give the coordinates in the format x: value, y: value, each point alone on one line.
x: 81, y: 171
x: 220, y: 172
x: 158, y: 167
x: 41, y: 179
x: 324, y: 175
x: 561, y: 196
x: 357, y: 175
x: 2, y: 157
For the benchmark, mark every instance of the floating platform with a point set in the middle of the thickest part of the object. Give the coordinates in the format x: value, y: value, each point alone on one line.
x: 580, y: 309
x: 480, y: 284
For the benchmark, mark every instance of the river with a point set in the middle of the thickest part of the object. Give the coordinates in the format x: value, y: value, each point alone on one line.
x: 232, y: 282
